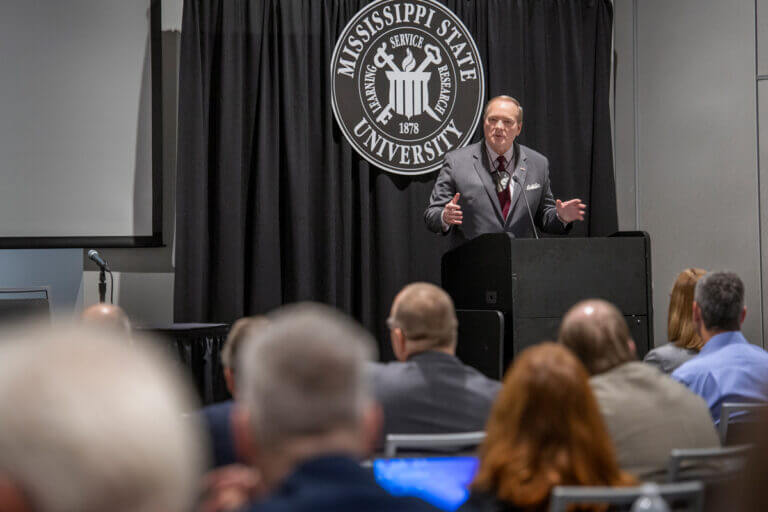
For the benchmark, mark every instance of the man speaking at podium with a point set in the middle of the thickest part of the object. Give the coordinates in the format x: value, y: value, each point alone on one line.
x: 479, y: 187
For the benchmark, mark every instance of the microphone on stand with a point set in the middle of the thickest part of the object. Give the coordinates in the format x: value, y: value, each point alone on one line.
x: 527, y: 205
x: 94, y: 256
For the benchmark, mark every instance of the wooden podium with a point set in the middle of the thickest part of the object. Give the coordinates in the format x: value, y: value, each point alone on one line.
x: 534, y: 282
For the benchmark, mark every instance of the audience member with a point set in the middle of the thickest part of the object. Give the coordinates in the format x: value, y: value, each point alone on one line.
x: 305, y: 416
x: 216, y: 417
x: 684, y: 340
x: 648, y: 414
x: 545, y: 429
x: 107, y: 316
x: 429, y: 390
x: 92, y: 424
x: 728, y: 368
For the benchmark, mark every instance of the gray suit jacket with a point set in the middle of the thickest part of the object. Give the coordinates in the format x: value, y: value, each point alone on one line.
x: 468, y: 172
x: 668, y: 357
x: 432, y: 393
x: 648, y: 414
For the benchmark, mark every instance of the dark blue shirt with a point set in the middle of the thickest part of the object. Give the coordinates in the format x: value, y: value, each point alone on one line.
x: 728, y: 369
x: 217, y: 421
x: 335, y: 484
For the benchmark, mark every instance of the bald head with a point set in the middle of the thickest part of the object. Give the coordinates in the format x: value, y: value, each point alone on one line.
x: 108, y: 316
x: 595, y: 330
x: 426, y: 316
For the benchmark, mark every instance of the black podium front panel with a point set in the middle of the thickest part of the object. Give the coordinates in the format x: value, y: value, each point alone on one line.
x: 534, y: 282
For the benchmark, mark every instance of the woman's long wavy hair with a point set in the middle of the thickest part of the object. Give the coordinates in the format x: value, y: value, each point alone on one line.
x: 680, y: 328
x: 545, y: 429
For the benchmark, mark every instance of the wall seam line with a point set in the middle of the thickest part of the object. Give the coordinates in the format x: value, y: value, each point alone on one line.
x: 759, y: 188
x: 636, y: 144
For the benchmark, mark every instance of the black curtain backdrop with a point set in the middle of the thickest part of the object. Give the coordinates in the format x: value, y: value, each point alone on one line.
x: 273, y: 204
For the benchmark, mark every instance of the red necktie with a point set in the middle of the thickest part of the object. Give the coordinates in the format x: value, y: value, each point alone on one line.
x: 504, y: 197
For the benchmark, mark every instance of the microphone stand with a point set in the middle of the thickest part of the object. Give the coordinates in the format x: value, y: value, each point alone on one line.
x: 527, y: 206
x: 102, y: 285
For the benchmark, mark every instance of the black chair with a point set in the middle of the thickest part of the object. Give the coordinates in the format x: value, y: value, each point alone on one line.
x: 481, y: 341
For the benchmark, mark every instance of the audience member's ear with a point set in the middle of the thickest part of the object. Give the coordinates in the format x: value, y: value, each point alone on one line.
x: 696, y: 316
x: 372, y: 423
x: 245, y: 445
x: 743, y: 315
x: 632, y: 347
x: 229, y: 379
x: 398, y: 344
x: 12, y: 499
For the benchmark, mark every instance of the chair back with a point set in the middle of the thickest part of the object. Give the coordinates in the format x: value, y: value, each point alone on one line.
x: 17, y: 304
x: 432, y: 442
x: 736, y: 411
x: 709, y: 465
x: 688, y: 496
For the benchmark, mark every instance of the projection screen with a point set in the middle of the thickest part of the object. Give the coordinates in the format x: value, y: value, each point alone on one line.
x: 80, y: 123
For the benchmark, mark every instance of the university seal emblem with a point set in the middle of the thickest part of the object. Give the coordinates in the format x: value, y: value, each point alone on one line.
x: 407, y: 84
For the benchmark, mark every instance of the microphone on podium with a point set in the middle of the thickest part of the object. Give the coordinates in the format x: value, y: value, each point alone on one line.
x: 527, y: 205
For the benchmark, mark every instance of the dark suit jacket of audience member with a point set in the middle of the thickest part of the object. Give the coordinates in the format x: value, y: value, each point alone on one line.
x: 217, y: 423
x: 432, y: 392
x: 335, y: 484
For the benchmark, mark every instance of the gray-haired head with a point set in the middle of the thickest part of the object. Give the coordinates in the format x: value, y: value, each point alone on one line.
x: 720, y: 297
x: 426, y: 315
x: 241, y: 332
x: 504, y: 97
x: 93, y: 423
x: 303, y: 375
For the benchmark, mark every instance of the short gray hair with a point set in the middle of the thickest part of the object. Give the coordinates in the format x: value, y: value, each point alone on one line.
x: 91, y: 423
x: 240, y: 333
x: 304, y: 374
x: 426, y: 315
x: 504, y: 97
x: 720, y: 296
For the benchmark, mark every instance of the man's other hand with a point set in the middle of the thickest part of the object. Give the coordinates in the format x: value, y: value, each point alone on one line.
x: 452, y: 214
x: 570, y: 211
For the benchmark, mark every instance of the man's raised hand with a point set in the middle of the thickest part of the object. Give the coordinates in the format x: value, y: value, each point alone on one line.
x: 452, y: 214
x: 570, y: 211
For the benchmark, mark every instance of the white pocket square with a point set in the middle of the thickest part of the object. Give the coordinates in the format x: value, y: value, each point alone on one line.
x: 533, y: 186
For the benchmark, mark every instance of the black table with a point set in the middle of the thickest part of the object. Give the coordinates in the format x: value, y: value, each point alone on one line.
x: 197, y: 347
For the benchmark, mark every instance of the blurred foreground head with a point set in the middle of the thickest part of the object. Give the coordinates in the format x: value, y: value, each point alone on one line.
x: 91, y: 423
x: 107, y: 316
x: 301, y: 384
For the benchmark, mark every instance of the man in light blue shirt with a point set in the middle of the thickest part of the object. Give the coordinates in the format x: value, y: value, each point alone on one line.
x: 728, y: 368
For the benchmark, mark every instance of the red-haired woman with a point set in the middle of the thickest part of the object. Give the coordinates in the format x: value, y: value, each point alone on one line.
x: 545, y: 429
x: 684, y: 341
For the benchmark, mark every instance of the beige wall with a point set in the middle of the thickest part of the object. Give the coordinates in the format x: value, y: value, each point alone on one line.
x: 686, y: 141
